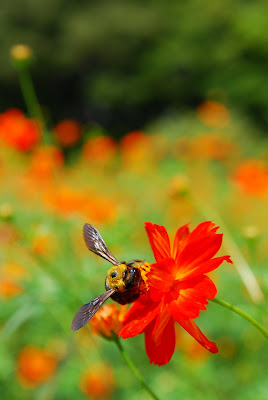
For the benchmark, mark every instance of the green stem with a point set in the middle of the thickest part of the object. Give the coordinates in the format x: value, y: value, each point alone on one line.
x: 242, y: 314
x: 133, y: 368
x: 29, y: 95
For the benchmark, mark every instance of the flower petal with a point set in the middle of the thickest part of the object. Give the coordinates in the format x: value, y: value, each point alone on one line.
x: 203, y: 229
x: 192, y: 297
x: 195, y: 332
x: 140, y: 314
x: 161, y: 350
x: 205, y: 267
x: 161, y: 278
x: 179, y: 241
x: 196, y: 253
x: 159, y: 240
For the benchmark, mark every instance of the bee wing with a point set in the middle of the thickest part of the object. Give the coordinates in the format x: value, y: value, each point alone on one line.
x: 86, y: 312
x: 96, y: 244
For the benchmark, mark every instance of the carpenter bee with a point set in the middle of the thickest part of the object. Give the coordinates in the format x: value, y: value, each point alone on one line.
x: 123, y: 282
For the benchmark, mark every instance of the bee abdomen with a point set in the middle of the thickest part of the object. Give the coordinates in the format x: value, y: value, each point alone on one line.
x: 126, y: 297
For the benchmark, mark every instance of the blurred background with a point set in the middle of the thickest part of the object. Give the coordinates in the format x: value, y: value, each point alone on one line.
x: 116, y: 113
x: 124, y: 63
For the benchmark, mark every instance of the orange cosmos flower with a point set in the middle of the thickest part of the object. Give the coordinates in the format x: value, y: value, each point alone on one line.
x: 100, y: 149
x: 11, y: 276
x: 45, y: 160
x: 178, y: 288
x: 98, y: 382
x: 35, y: 366
x: 9, y: 289
x: 68, y: 132
x: 136, y: 150
x: 213, y: 114
x: 70, y: 202
x: 252, y: 177
x: 19, y: 132
x: 108, y: 321
x: 212, y: 146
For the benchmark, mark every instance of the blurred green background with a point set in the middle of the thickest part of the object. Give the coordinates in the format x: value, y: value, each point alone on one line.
x: 122, y: 63
x: 147, y: 145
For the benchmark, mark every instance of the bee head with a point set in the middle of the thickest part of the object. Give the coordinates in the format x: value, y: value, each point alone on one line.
x: 115, y: 278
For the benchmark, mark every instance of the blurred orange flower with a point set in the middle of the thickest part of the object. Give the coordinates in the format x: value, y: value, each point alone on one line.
x: 8, y: 234
x: 179, y: 186
x: 213, y: 114
x: 19, y: 132
x: 68, y: 132
x: 9, y: 289
x: 43, y: 244
x: 45, y: 161
x: 11, y: 275
x: 252, y: 177
x: 69, y: 202
x: 14, y: 271
x: 100, y: 149
x: 211, y: 146
x: 35, y: 366
x: 136, y: 149
x: 108, y: 321
x: 98, y: 381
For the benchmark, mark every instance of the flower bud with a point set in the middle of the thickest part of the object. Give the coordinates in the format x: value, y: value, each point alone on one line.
x: 21, y: 55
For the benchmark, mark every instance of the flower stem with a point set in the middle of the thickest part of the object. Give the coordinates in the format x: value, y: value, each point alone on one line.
x: 242, y: 314
x: 29, y: 95
x: 133, y: 368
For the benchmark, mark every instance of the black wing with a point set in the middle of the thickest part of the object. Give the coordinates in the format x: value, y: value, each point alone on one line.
x: 86, y: 312
x: 96, y: 244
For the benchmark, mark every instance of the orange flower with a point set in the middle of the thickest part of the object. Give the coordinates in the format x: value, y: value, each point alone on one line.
x: 108, y: 321
x: 9, y: 289
x: 211, y: 146
x: 252, y: 177
x: 8, y: 234
x: 179, y: 186
x: 213, y: 114
x: 136, y: 149
x: 45, y: 161
x: 100, y: 149
x: 11, y: 275
x: 178, y: 289
x: 43, y: 243
x: 19, y: 132
x: 68, y: 132
x: 70, y: 202
x: 14, y: 271
x: 35, y: 366
x: 98, y: 382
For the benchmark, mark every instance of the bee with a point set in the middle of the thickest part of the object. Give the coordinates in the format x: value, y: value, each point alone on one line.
x: 123, y: 282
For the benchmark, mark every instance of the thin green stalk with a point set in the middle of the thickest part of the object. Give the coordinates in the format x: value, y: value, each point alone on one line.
x: 29, y: 95
x: 133, y: 368
x: 243, y: 315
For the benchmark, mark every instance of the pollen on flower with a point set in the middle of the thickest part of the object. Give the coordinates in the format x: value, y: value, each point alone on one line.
x: 144, y: 269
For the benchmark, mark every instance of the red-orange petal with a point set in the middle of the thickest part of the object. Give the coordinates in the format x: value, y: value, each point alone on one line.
x: 205, y: 267
x: 161, y: 350
x: 203, y: 229
x: 198, y: 252
x: 161, y: 278
x: 195, y: 332
x: 192, y: 298
x: 179, y: 241
x: 138, y: 317
x: 159, y: 240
